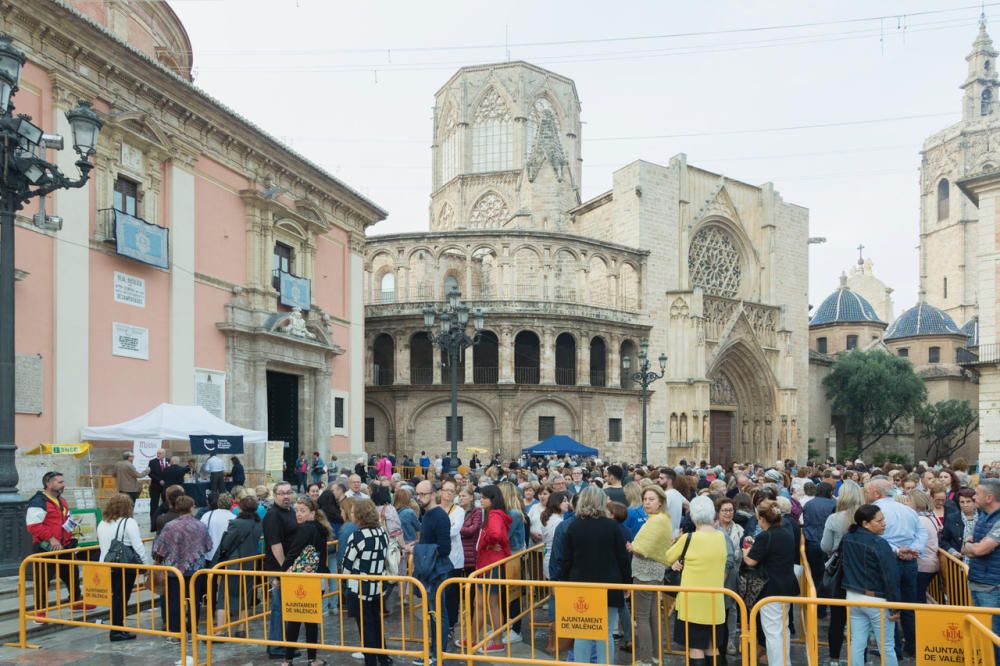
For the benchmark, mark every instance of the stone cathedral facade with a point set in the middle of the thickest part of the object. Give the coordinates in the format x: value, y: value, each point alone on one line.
x: 710, y: 270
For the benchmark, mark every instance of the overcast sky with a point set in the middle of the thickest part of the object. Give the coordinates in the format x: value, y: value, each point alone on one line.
x: 732, y: 84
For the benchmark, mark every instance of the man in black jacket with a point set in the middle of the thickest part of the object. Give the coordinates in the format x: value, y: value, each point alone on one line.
x: 157, y: 466
x: 174, y: 474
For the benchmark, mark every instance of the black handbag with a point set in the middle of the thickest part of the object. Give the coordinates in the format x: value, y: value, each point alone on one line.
x: 753, y: 580
x: 833, y: 574
x: 118, y: 552
x: 672, y: 576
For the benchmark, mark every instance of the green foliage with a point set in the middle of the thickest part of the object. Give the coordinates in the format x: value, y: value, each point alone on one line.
x: 895, y: 458
x: 813, y: 453
x: 947, y: 424
x: 872, y: 391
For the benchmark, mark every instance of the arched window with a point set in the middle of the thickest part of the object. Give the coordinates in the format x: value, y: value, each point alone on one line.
x: 387, y: 287
x: 451, y: 158
x: 598, y: 362
x: 450, y: 282
x: 714, y: 262
x: 383, y: 356
x: 421, y: 359
x: 490, y: 212
x: 565, y: 360
x: 943, y: 196
x: 526, y: 358
x: 492, y: 135
x: 986, y: 102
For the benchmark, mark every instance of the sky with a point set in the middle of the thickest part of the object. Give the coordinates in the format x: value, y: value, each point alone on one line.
x: 829, y: 101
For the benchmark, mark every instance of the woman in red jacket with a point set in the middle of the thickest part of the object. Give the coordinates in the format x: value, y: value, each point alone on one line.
x: 494, y: 545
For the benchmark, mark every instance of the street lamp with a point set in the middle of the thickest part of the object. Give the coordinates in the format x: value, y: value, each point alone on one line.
x: 453, y: 339
x: 645, y: 377
x: 24, y: 175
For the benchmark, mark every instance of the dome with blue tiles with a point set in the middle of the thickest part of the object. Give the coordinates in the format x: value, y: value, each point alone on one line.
x: 844, y: 306
x: 971, y: 330
x: 923, y: 319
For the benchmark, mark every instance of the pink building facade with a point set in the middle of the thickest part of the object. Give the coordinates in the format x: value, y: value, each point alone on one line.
x: 204, y: 263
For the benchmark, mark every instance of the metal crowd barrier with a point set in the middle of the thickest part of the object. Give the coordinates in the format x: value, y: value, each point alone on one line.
x: 302, y: 600
x: 481, y: 630
x: 101, y: 585
x: 939, y: 628
x: 951, y: 586
x: 979, y: 641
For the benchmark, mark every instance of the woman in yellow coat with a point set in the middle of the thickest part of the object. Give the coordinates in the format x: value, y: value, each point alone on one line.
x: 700, y: 615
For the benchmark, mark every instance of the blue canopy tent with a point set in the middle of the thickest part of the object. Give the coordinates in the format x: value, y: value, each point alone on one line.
x: 560, y: 445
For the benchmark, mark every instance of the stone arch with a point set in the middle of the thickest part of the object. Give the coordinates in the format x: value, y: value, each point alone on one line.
x: 420, y: 273
x: 378, y: 411
x: 527, y: 431
x: 446, y: 401
x: 427, y: 428
x: 292, y: 227
x: 527, y: 270
x: 453, y: 250
x: 565, y: 266
x: 598, y: 281
x: 485, y: 277
x: 493, y: 87
x: 721, y: 259
x: 541, y: 103
x: 743, y: 368
x: 628, y: 277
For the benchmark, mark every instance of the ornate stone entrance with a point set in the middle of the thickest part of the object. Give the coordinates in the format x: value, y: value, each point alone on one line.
x: 742, y: 397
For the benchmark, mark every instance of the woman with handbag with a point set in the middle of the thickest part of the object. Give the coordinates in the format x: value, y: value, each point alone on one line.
x: 595, y: 552
x: 649, y: 564
x: 773, y: 553
x: 120, y: 540
x: 183, y: 543
x: 306, y: 554
x: 364, y: 555
x: 389, y: 518
x: 837, y: 523
x: 700, y: 556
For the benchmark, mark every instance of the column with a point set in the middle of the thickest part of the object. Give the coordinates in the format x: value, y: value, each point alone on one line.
x: 322, y: 409
x: 506, y: 355
x: 614, y: 362
x: 470, y: 356
x: 360, y: 355
x: 441, y: 374
x: 583, y: 360
x: 182, y: 311
x: 547, y: 357
x: 402, y: 349
x: 71, y: 283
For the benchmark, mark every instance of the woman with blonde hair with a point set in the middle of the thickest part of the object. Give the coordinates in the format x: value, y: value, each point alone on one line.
x: 633, y: 493
x: 849, y: 500
x: 928, y: 563
x: 649, y: 563
x: 264, y: 497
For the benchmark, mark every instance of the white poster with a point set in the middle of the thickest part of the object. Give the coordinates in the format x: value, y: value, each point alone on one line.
x: 210, y: 392
x: 130, y: 290
x: 130, y: 341
x: 144, y: 450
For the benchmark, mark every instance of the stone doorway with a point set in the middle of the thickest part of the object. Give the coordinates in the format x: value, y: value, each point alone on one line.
x: 283, y: 416
x: 721, y: 434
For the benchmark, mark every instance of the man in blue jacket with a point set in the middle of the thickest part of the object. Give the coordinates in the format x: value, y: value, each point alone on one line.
x: 983, y: 554
x: 435, y: 532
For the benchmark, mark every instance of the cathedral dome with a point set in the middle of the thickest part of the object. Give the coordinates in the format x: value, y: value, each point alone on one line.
x: 844, y: 306
x: 923, y: 319
x: 971, y: 330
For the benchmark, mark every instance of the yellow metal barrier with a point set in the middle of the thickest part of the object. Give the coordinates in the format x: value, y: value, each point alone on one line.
x: 809, y: 618
x: 476, y: 643
x: 980, y: 643
x: 938, y: 628
x: 302, y: 595
x: 102, y: 584
x: 951, y: 586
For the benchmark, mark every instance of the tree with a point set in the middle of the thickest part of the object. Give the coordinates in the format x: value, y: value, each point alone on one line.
x: 947, y: 424
x: 873, y: 391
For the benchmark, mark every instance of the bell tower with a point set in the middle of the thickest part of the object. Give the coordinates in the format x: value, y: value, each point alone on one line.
x: 981, y: 84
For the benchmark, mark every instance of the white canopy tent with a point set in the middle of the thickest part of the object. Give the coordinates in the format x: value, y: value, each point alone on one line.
x: 171, y: 422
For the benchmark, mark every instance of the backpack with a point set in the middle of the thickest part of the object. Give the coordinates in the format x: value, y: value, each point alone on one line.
x: 306, y: 562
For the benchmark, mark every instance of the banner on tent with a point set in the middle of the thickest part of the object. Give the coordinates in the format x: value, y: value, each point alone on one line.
x: 144, y: 451
x: 206, y: 444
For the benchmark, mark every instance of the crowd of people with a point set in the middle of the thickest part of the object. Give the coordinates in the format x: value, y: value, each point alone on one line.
x: 870, y: 533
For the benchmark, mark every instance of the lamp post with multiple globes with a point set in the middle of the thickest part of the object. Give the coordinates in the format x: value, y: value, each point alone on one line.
x: 644, y: 376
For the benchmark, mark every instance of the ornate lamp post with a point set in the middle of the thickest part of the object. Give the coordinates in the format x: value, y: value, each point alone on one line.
x: 453, y: 339
x: 645, y: 377
x: 25, y: 174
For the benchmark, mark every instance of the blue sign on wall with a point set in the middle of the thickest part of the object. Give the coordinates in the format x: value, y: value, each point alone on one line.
x: 295, y: 292
x: 137, y: 239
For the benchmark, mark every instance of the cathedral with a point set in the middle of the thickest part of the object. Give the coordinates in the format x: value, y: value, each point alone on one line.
x: 671, y: 260
x: 943, y: 333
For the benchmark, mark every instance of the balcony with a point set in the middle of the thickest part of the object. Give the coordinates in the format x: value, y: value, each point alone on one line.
x: 421, y: 375
x: 387, y: 297
x: 526, y: 375
x: 566, y: 376
x: 485, y: 375
x: 381, y: 376
x: 988, y: 355
x: 598, y: 378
